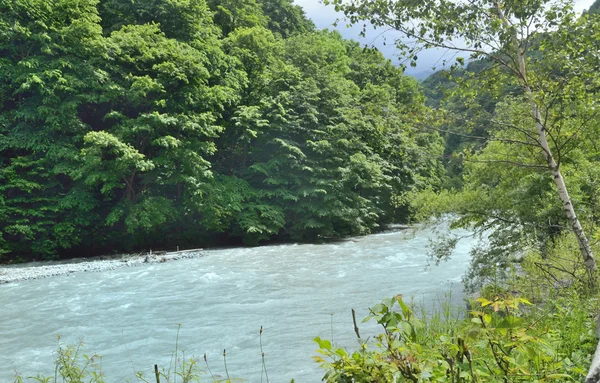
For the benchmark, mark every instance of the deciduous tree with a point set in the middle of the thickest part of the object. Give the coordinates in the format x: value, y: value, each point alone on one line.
x: 504, y: 32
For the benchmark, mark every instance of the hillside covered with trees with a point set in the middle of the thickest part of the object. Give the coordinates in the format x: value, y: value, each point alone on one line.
x: 155, y: 124
x: 164, y: 123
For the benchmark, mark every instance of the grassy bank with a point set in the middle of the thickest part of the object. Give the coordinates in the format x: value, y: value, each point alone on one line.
x: 534, y: 321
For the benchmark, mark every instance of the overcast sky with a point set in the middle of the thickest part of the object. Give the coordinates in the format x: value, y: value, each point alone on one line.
x: 324, y: 17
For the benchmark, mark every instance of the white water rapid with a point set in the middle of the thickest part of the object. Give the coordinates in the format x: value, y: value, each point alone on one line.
x: 296, y: 292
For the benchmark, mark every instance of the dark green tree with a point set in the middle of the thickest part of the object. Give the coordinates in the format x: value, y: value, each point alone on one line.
x: 127, y: 125
x: 48, y: 74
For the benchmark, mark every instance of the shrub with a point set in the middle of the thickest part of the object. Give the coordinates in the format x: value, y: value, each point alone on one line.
x: 499, y: 341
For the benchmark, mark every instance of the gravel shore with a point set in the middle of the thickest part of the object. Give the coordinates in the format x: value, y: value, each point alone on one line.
x: 37, y: 270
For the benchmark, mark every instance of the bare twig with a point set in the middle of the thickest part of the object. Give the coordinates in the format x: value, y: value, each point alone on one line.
x: 507, y: 162
x: 156, y: 373
x: 355, y: 326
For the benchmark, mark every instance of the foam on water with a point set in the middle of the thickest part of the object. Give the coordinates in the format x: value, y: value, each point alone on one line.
x: 296, y: 292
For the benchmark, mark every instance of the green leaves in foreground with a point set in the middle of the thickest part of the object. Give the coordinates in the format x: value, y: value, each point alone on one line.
x: 501, y: 341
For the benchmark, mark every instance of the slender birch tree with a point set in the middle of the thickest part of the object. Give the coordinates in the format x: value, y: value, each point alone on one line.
x: 506, y: 33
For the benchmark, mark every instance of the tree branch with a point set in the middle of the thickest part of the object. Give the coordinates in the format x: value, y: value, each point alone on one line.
x: 508, y: 162
x: 486, y: 139
x: 519, y: 129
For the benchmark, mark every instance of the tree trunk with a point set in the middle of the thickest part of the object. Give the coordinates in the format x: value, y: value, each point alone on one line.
x: 584, y: 245
x: 563, y: 193
x: 593, y: 375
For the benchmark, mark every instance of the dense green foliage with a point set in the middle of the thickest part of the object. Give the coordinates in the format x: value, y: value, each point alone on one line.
x: 520, y: 120
x: 134, y: 125
x: 503, y: 339
x: 498, y: 181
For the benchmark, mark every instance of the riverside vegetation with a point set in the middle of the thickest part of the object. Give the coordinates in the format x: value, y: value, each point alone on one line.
x: 160, y: 124
x: 126, y: 125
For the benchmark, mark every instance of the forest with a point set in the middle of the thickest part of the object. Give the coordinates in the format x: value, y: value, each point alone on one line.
x: 136, y: 125
x: 160, y: 124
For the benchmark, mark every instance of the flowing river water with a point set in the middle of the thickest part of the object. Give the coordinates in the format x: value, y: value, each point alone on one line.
x: 296, y: 292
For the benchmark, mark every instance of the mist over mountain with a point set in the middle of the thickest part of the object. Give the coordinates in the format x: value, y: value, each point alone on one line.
x: 430, y: 60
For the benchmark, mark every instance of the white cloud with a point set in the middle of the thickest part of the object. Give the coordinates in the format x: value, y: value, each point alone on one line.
x: 582, y: 5
x: 325, y: 16
x: 311, y: 6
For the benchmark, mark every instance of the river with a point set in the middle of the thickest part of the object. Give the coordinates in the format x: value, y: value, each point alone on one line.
x: 296, y: 292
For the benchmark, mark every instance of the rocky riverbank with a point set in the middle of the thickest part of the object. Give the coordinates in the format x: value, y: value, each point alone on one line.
x: 37, y: 270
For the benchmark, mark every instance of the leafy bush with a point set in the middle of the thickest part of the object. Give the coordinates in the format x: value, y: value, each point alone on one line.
x: 504, y: 339
x: 72, y: 366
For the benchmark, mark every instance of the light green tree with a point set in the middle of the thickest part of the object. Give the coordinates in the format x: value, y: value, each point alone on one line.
x: 505, y: 33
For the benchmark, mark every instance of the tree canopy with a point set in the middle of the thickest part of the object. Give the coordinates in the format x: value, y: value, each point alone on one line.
x: 528, y: 100
x: 135, y: 125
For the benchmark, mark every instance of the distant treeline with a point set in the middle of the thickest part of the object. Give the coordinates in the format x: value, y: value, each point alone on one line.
x: 153, y: 124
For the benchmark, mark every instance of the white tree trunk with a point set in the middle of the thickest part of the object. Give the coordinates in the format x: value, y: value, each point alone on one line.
x: 584, y: 245
x: 587, y: 254
x: 593, y: 375
x: 563, y: 193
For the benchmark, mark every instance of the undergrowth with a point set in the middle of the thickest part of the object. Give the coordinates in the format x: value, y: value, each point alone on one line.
x: 536, y: 325
x: 73, y: 365
x: 503, y: 339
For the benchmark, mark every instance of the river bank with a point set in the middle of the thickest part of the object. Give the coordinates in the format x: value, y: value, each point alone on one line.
x: 46, y: 269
